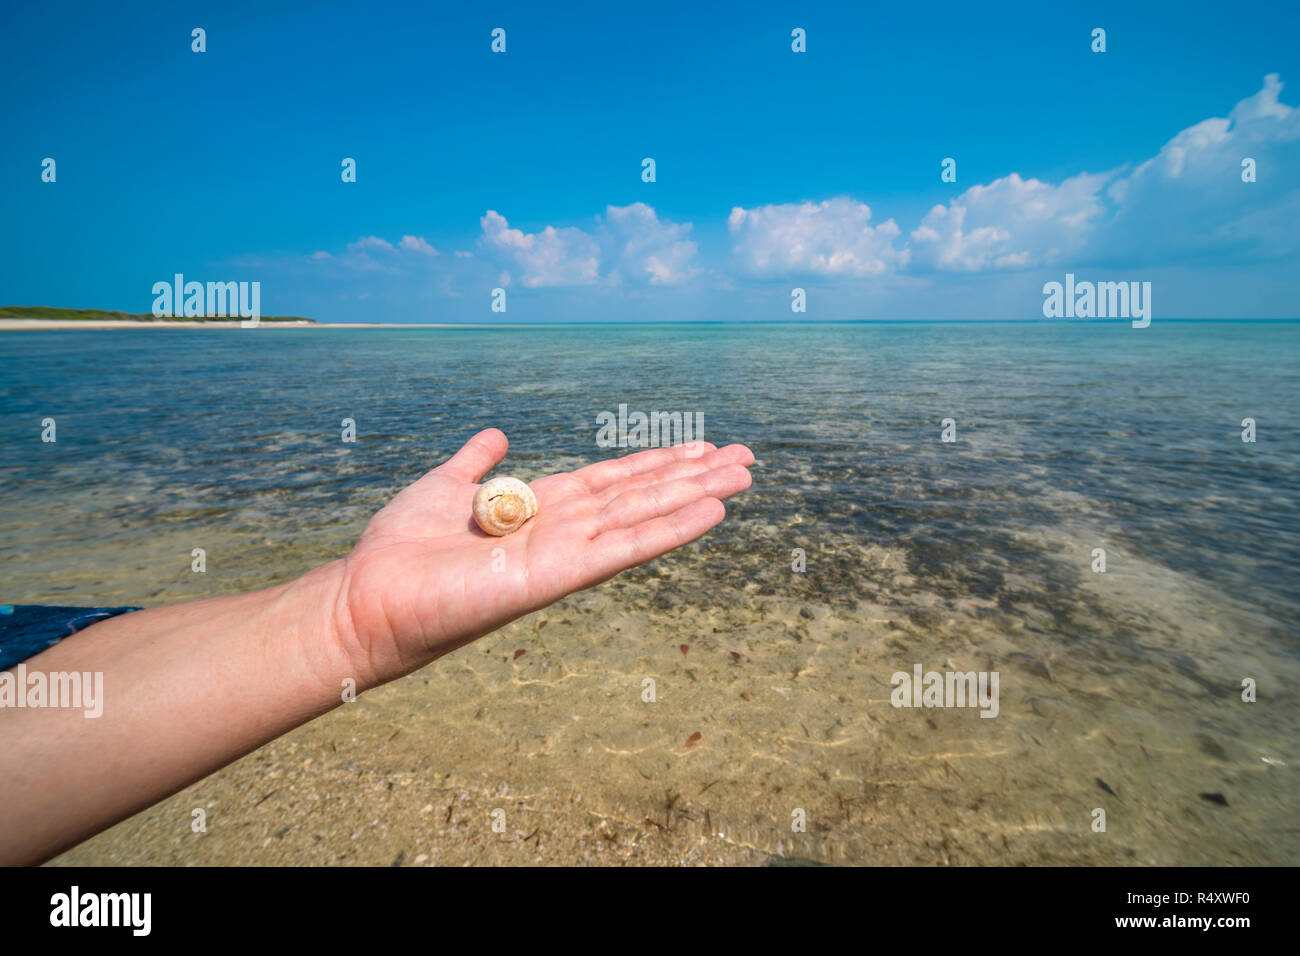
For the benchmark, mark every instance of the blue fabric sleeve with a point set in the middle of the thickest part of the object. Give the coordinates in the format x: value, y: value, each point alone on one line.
x: 28, y: 629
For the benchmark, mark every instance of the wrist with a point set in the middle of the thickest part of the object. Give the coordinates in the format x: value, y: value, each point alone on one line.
x: 317, y: 604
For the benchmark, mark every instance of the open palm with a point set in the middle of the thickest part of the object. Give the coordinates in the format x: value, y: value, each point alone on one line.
x: 423, y: 579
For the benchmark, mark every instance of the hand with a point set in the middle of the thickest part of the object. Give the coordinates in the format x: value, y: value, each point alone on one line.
x: 419, y: 583
x: 423, y: 579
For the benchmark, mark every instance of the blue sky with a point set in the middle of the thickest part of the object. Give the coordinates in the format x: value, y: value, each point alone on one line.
x: 775, y: 169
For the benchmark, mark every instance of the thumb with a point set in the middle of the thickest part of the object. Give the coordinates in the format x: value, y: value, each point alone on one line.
x: 480, y: 455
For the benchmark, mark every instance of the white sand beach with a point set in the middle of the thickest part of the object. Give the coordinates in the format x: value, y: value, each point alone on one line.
x: 45, y: 325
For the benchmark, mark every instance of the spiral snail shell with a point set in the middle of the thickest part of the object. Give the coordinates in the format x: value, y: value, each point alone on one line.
x: 502, y: 505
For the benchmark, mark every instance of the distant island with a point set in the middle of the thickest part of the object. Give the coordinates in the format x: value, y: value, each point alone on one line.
x: 106, y: 315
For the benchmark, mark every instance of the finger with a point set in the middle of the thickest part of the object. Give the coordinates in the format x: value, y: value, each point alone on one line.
x: 625, y: 548
x: 730, y: 455
x: 480, y: 455
x: 655, y: 501
x: 602, y: 474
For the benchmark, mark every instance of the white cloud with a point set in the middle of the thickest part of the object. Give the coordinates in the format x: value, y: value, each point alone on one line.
x: 370, y: 242
x: 643, y: 247
x: 1189, y: 198
x: 1011, y: 223
x: 630, y: 243
x: 1186, y: 200
x: 375, y: 254
x: 1186, y: 203
x: 548, y: 258
x: 1196, y: 153
x: 418, y: 244
x: 833, y: 238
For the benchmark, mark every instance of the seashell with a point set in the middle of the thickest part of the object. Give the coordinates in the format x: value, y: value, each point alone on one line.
x: 502, y: 505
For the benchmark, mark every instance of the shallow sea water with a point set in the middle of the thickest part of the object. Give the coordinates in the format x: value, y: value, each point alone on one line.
x: 969, y: 555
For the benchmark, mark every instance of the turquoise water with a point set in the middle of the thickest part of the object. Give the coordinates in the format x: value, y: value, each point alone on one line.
x: 1069, y: 437
x: 1143, y: 425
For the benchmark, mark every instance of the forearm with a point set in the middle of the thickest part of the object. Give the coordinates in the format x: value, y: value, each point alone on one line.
x: 187, y: 689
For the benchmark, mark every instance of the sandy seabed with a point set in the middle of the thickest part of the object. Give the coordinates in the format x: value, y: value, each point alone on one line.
x: 553, y: 756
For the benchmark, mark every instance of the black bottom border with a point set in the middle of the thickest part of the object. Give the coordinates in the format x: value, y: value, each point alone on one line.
x: 950, y: 907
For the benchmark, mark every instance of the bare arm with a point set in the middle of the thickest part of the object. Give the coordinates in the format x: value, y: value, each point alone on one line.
x: 190, y: 687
